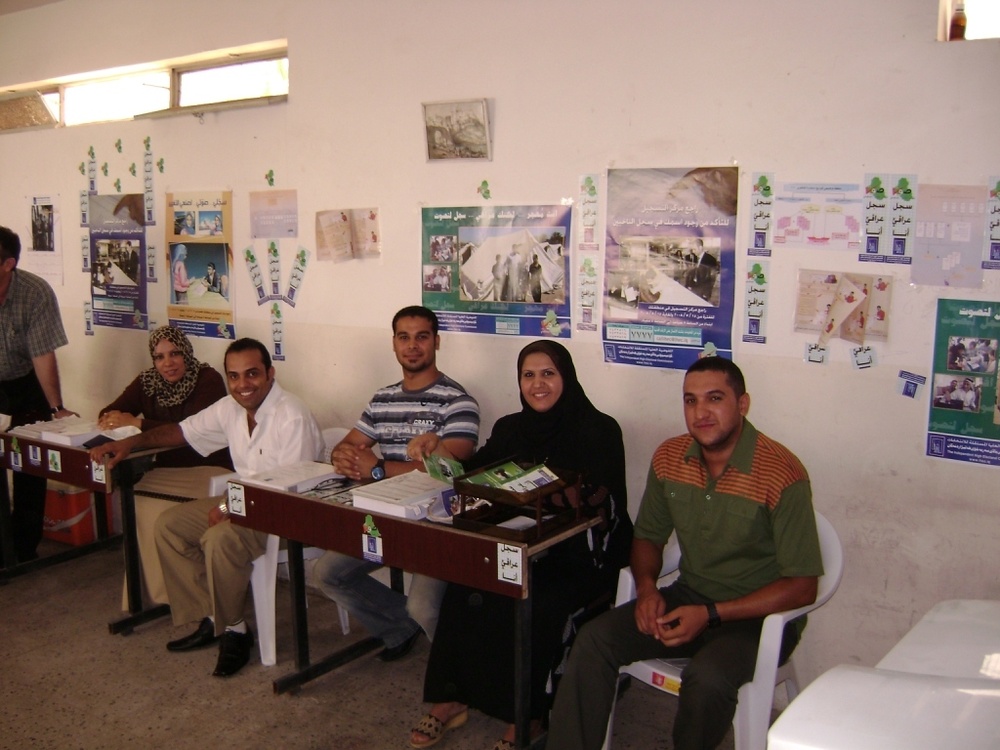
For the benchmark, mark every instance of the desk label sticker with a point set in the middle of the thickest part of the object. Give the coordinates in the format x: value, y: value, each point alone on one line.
x: 35, y: 455
x: 508, y: 563
x: 235, y: 501
x: 55, y: 462
x: 97, y: 472
x: 371, y: 540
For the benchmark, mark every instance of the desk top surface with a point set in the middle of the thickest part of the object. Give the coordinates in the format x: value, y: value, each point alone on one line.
x: 956, y: 638
x: 864, y: 708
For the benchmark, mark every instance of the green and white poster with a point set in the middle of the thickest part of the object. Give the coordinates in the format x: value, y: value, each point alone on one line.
x: 964, y: 422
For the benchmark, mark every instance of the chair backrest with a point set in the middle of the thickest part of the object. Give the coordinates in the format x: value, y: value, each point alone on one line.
x: 833, y: 560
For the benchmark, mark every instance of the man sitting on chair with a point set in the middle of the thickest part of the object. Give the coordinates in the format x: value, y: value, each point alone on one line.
x: 741, y: 505
x: 425, y: 400
x: 207, y: 560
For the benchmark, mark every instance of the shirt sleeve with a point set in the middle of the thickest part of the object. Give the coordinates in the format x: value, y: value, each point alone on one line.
x: 206, y: 431
x: 461, y: 420
x: 45, y: 332
x: 130, y: 400
x: 795, y: 537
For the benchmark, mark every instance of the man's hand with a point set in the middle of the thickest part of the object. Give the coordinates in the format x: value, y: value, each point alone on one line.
x: 353, y: 461
x: 118, y: 451
x: 217, y: 515
x: 422, y: 445
x: 649, y: 607
x: 681, y: 625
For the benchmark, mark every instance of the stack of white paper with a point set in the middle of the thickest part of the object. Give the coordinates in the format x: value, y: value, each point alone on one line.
x: 405, y: 495
x: 70, y: 430
x: 298, y: 477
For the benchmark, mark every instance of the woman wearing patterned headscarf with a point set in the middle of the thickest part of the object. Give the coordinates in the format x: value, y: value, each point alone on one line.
x: 471, y: 663
x: 175, y: 387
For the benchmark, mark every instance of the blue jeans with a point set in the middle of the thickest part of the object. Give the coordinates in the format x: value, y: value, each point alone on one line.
x: 384, y: 612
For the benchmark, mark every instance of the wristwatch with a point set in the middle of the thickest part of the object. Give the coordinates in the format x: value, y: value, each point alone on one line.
x: 714, y: 620
x: 378, y: 470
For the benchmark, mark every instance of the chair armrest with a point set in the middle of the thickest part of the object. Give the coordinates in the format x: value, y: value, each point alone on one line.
x: 626, y: 583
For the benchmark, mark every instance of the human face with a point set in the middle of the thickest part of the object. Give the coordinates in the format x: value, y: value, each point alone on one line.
x: 169, y: 361
x: 6, y: 271
x: 249, y: 381
x: 712, y: 411
x: 415, y: 344
x: 541, y: 383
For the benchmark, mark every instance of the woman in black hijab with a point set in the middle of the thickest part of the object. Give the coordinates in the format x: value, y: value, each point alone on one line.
x: 471, y: 662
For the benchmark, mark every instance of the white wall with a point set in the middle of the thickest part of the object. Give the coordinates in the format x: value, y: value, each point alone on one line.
x: 822, y: 91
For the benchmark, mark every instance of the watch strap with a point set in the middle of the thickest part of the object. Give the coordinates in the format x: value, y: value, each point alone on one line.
x: 714, y: 620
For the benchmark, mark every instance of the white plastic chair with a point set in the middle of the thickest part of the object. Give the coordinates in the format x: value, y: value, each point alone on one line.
x: 753, y: 710
x: 264, y: 577
x: 264, y: 581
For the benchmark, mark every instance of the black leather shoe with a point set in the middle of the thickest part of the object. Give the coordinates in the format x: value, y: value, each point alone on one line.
x: 234, y: 652
x: 391, y: 653
x: 203, y: 636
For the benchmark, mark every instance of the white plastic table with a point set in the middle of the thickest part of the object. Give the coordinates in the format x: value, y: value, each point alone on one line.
x: 938, y: 687
x: 956, y: 638
x: 865, y: 708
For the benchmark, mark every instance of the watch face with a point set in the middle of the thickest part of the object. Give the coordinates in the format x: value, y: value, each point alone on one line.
x: 378, y: 473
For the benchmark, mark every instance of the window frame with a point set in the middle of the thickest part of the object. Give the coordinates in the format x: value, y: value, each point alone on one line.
x: 177, y: 68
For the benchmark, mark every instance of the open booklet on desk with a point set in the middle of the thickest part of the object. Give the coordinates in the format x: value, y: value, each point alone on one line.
x: 509, y: 476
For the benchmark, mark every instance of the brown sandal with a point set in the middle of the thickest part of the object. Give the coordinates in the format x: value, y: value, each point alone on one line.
x: 433, y: 728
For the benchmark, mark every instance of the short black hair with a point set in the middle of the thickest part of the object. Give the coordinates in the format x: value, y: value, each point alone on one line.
x: 416, y: 311
x: 211, y: 265
x: 734, y: 376
x: 10, y: 245
x: 246, y: 345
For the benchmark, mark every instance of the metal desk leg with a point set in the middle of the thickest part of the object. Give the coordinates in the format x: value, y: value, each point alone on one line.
x: 130, y: 546
x: 522, y: 671
x: 305, y: 671
x: 6, y: 531
x: 297, y: 587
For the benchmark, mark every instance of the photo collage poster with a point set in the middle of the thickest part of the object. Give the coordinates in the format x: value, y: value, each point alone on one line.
x: 502, y: 270
x: 964, y: 420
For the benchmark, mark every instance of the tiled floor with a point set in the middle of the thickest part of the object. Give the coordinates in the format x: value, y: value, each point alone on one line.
x: 65, y: 682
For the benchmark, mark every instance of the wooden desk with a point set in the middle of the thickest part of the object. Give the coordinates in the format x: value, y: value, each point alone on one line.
x: 60, y: 462
x: 440, y: 551
x: 72, y: 465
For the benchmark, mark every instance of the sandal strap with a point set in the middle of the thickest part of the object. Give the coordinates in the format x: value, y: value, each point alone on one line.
x: 430, y: 726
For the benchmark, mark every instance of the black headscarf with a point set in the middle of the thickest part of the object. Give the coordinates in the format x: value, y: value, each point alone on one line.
x: 573, y: 435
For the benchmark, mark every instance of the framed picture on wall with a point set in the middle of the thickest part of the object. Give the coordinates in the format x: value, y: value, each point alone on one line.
x: 458, y: 130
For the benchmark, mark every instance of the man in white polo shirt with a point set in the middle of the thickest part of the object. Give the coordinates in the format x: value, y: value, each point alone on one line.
x: 206, y: 560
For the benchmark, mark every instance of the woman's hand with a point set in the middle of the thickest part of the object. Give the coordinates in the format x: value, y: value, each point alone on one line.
x: 422, y: 445
x: 111, y: 420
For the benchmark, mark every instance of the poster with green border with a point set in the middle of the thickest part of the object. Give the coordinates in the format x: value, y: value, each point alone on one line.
x: 964, y: 421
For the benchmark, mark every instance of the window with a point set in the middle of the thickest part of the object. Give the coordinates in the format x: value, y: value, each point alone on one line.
x: 250, y: 80
x: 982, y: 19
x: 240, y: 77
x: 118, y: 98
